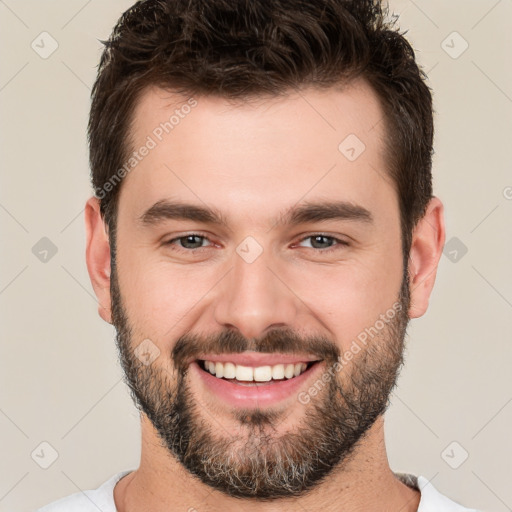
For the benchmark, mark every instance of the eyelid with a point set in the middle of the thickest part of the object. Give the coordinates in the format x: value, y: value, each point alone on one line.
x: 184, y: 235
x: 339, y: 241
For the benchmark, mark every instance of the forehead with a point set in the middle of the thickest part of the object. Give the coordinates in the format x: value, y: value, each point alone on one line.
x: 253, y: 158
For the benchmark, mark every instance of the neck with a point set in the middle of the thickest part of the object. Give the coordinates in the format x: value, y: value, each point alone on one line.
x: 364, y: 482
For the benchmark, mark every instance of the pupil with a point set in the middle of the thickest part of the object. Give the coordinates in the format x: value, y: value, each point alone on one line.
x: 190, y: 239
x: 319, y: 238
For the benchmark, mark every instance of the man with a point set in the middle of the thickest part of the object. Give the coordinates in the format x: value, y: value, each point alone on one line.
x: 262, y: 230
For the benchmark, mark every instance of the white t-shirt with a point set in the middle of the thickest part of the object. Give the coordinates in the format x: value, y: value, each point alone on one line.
x: 102, y: 498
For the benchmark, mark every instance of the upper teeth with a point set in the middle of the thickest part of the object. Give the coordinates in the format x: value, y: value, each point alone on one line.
x: 258, y: 374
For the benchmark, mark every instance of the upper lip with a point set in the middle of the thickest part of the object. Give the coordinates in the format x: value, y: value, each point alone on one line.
x: 256, y: 359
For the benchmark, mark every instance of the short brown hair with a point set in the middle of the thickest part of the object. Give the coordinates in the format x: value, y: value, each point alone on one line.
x: 241, y: 48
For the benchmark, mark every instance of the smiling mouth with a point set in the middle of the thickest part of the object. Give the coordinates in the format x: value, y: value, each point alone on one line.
x: 255, y: 376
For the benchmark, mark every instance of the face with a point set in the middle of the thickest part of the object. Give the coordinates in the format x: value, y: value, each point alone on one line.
x: 247, y: 231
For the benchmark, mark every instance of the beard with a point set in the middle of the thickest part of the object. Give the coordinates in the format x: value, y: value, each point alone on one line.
x: 259, y: 463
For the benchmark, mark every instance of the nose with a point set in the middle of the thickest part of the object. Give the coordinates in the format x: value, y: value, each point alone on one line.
x: 253, y: 299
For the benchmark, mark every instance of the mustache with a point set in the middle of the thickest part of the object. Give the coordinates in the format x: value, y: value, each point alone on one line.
x: 191, y: 346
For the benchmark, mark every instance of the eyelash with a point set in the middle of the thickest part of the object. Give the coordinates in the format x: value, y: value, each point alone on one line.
x: 338, y: 243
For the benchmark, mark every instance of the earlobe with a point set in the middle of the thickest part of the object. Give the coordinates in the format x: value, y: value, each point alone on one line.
x: 98, y: 257
x: 426, y: 250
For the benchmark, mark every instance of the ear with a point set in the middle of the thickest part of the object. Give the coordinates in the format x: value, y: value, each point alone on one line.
x: 97, y: 256
x: 426, y: 249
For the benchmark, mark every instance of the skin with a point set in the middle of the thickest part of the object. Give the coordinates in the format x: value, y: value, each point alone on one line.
x: 252, y: 162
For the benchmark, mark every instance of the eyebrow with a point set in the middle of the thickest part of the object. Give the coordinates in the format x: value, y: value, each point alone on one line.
x: 304, y: 213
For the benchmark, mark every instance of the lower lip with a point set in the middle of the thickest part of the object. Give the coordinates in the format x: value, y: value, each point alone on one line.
x: 261, y: 394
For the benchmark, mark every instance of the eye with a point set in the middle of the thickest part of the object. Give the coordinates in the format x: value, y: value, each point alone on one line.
x: 188, y: 242
x: 193, y: 241
x: 325, y: 243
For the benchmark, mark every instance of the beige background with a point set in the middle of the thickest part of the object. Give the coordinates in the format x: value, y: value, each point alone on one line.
x: 59, y: 378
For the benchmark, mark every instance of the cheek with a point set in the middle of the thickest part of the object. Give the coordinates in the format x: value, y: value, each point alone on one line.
x: 159, y: 297
x: 349, y: 298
